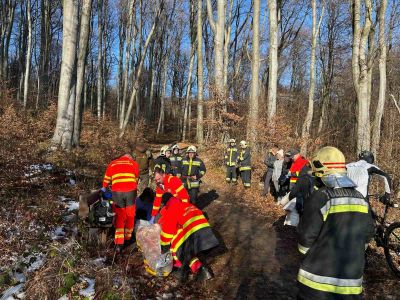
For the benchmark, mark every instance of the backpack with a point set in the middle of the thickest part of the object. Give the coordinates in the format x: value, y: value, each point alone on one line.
x: 102, y: 213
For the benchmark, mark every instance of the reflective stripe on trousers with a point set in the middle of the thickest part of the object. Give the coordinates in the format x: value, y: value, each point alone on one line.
x: 330, y: 284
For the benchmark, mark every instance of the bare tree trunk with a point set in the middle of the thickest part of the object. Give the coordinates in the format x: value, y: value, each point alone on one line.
x: 82, y: 54
x: 376, y: 129
x: 273, y: 60
x: 64, y: 127
x: 218, y: 28
x: 100, y: 58
x: 29, y: 51
x: 5, y: 37
x: 305, y: 134
x: 227, y: 44
x: 360, y: 72
x: 188, y: 90
x: 135, y: 86
x: 127, y: 62
x: 199, y: 127
x: 255, y: 70
x: 44, y: 56
x: 160, y: 126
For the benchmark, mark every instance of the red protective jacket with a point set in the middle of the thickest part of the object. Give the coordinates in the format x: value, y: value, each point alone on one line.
x: 173, y: 185
x: 296, y: 167
x: 122, y: 174
x: 179, y: 221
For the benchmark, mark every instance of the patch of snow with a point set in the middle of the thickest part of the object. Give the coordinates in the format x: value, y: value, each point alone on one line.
x: 34, y: 262
x: 57, y: 233
x: 99, y: 262
x: 12, y: 292
x: 88, y: 292
x: 71, y: 182
x: 72, y: 205
x: 69, y: 218
x: 20, y: 277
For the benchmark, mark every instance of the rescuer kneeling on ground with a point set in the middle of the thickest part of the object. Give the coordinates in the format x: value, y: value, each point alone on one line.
x: 333, y: 231
x: 186, y: 233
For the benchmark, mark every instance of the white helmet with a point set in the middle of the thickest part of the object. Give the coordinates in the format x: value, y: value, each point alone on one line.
x: 243, y: 144
x: 164, y: 150
x: 191, y: 149
x: 232, y: 141
x: 175, y: 147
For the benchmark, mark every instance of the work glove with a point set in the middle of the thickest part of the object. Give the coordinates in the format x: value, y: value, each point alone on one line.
x: 153, y: 218
x: 103, y: 189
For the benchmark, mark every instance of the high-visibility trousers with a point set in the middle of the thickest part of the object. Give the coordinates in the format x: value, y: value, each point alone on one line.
x: 194, y: 264
x: 246, y: 177
x: 231, y: 175
x: 124, y: 209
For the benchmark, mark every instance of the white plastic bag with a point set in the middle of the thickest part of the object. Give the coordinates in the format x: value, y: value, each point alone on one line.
x: 292, y: 216
x: 148, y: 240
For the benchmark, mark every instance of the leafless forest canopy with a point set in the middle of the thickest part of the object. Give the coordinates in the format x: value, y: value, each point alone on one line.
x: 304, y: 72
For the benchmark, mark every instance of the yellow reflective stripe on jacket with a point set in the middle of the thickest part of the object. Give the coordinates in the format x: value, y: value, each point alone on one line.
x: 166, y: 235
x: 330, y: 284
x: 164, y: 243
x: 189, y: 233
x: 107, y: 177
x: 190, y: 166
x: 342, y: 205
x: 159, y: 195
x: 302, y: 249
x: 125, y: 180
x: 179, y: 188
x: 194, y: 219
x: 124, y: 175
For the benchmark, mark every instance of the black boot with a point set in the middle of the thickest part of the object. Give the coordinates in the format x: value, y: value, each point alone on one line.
x: 181, y: 274
x: 204, y: 274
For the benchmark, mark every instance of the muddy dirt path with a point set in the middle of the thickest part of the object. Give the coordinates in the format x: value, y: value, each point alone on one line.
x: 257, y: 258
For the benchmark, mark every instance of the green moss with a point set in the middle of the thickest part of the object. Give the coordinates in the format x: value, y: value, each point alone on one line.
x: 5, y: 279
x: 110, y: 295
x: 69, y: 280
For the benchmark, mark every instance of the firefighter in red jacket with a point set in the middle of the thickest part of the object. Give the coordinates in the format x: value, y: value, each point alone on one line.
x: 186, y: 233
x: 298, y: 163
x: 167, y: 184
x: 122, y: 175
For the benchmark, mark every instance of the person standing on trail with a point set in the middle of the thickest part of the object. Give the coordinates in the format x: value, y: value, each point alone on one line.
x: 298, y: 163
x: 176, y: 161
x: 122, y: 175
x: 143, y: 156
x: 186, y: 233
x: 245, y: 164
x: 335, y: 227
x: 231, y: 159
x: 361, y: 171
x: 277, y: 172
x: 166, y: 183
x: 269, y: 163
x: 284, y: 179
x: 163, y: 160
x: 193, y: 169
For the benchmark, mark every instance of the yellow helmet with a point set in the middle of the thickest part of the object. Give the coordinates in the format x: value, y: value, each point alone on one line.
x: 164, y: 150
x: 191, y: 149
x: 243, y: 144
x: 328, y: 161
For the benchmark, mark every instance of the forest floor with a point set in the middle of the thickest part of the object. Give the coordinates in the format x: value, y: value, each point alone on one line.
x: 257, y: 257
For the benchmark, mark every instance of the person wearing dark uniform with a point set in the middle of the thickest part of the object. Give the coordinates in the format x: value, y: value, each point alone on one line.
x: 186, y: 233
x: 176, y: 161
x: 231, y: 159
x: 143, y: 156
x: 335, y: 227
x: 163, y: 160
x: 245, y: 164
x: 193, y: 169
